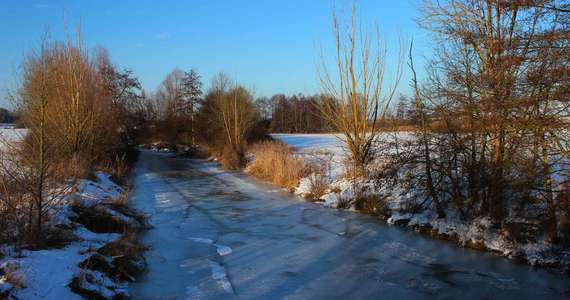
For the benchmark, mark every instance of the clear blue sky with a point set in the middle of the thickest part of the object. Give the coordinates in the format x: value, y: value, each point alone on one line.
x: 269, y: 45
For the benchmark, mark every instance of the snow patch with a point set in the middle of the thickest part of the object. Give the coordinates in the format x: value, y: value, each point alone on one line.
x: 221, y: 249
x: 201, y: 240
x: 46, y: 274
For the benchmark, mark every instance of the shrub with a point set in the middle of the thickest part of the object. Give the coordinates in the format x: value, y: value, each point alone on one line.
x: 344, y: 203
x: 10, y: 273
x: 274, y: 161
x: 121, y: 166
x: 12, y: 219
x: 318, y: 187
x: 16, y: 279
x: 372, y: 205
x: 232, y: 159
x: 77, y: 111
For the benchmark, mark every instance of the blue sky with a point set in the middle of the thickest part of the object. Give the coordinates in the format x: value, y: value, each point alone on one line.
x: 270, y: 46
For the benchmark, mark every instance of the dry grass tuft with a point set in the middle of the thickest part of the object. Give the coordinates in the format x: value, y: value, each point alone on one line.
x: 14, y: 278
x: 372, y: 205
x: 319, y: 187
x: 232, y: 159
x: 275, y: 162
x: 344, y: 203
x: 123, y: 198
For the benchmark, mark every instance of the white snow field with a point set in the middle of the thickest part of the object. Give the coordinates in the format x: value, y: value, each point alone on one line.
x: 8, y: 136
x: 325, y: 147
x: 329, y: 150
x: 319, y: 148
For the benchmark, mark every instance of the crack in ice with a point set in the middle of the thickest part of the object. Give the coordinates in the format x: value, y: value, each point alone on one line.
x: 219, y: 275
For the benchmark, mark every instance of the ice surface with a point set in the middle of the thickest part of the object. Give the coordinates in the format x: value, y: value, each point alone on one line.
x: 201, y: 240
x: 282, y: 247
x: 221, y: 249
x: 219, y: 274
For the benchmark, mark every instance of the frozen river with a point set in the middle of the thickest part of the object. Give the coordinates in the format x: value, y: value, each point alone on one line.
x: 220, y: 234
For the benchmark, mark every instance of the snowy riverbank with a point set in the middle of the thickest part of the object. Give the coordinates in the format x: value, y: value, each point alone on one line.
x: 516, y: 238
x: 88, y: 224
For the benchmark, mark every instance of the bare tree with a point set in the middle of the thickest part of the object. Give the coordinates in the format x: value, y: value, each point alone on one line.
x: 124, y: 91
x: 226, y: 119
x: 235, y: 109
x: 424, y: 139
x: 499, y: 100
x: 177, y: 101
x: 69, y: 105
x: 359, y: 97
x: 192, y: 92
x: 33, y: 169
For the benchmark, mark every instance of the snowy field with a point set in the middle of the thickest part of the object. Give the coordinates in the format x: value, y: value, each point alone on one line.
x: 8, y: 136
x: 312, y: 142
x: 319, y: 148
x: 327, y: 147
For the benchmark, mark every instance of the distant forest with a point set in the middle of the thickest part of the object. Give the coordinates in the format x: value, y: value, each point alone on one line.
x: 292, y: 114
x: 6, y: 116
x: 304, y: 114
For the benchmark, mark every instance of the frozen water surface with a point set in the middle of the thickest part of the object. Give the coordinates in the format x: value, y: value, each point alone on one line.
x: 222, y: 235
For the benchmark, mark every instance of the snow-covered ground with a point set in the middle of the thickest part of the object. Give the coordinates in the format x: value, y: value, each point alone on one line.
x: 323, y: 149
x: 329, y: 151
x: 9, y: 136
x: 313, y: 142
x: 47, y: 273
